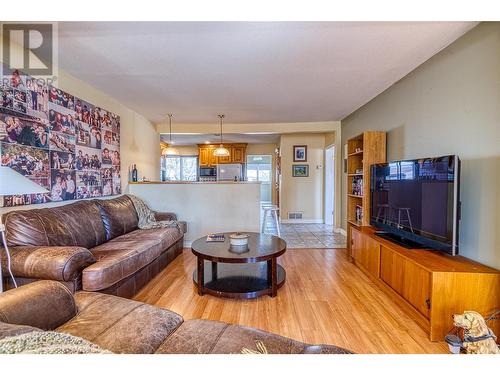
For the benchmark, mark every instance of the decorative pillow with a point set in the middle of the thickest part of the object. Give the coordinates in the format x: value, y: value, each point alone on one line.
x: 48, y: 342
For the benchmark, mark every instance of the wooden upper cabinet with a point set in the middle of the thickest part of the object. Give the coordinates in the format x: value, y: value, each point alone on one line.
x: 212, y: 159
x: 225, y: 159
x: 204, y: 156
x: 237, y: 154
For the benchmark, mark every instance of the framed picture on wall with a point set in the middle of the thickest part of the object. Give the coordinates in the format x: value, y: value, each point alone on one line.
x: 299, y: 153
x: 300, y: 170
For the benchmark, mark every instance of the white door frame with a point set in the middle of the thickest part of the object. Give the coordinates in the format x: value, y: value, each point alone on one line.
x: 329, y: 198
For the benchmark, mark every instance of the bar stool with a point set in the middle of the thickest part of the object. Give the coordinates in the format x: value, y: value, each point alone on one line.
x: 273, y: 210
x: 402, y: 219
x: 384, y: 211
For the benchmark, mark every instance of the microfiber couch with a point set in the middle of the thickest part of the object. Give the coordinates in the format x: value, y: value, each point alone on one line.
x: 92, y: 245
x: 125, y: 326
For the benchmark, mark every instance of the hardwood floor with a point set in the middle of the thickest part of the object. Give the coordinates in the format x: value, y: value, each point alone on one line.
x: 325, y: 300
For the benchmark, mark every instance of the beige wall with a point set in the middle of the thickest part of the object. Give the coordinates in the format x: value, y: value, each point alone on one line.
x: 450, y: 105
x: 303, y: 194
x: 206, y: 207
x: 139, y: 141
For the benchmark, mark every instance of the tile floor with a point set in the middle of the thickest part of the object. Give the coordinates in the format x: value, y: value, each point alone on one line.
x: 314, y: 236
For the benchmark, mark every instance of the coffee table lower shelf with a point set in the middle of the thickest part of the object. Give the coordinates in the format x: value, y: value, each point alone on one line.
x: 229, y: 280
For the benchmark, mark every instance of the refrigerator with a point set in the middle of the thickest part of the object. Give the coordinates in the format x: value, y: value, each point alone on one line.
x: 228, y: 172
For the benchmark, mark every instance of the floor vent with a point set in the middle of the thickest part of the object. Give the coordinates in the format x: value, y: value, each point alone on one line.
x: 295, y: 215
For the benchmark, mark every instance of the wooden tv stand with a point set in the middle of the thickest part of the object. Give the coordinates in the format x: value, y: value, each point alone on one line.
x: 430, y: 285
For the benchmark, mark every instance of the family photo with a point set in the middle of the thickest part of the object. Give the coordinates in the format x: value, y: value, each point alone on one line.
x: 6, y: 97
x: 62, y: 142
x: 60, y: 122
x: 28, y: 161
x: 61, y: 98
x: 37, y: 98
x: 88, y: 158
x: 25, y: 132
x: 21, y: 200
x: 110, y: 157
x: 63, y: 185
x: 88, y: 184
x: 62, y: 160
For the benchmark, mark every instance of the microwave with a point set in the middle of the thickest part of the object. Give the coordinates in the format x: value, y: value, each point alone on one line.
x: 208, y: 172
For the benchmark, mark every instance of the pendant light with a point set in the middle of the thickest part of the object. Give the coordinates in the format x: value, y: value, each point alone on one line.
x: 221, y: 151
x: 169, y: 150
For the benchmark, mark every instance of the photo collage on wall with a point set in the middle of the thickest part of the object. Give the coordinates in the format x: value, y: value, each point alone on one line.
x: 61, y: 142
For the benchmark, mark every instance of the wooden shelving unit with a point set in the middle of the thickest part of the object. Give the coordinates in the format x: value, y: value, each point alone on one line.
x: 362, y: 151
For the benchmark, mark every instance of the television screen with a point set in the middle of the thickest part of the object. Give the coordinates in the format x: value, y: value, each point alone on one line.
x: 418, y: 200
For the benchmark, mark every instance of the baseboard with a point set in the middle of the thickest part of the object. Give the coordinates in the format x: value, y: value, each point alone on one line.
x: 341, y: 231
x: 301, y: 221
x: 187, y: 243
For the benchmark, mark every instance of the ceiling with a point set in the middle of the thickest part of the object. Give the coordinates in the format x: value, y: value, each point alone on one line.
x: 193, y: 139
x: 251, y: 71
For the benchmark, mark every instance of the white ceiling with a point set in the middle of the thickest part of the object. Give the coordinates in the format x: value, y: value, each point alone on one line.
x: 251, y: 71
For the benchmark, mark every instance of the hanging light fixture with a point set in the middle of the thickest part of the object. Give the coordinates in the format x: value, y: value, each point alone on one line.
x: 169, y: 150
x: 221, y: 150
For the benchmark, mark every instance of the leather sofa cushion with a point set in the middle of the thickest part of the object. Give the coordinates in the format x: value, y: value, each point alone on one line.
x: 9, y: 330
x: 75, y: 224
x: 63, y: 263
x: 120, y: 325
x: 44, y: 304
x: 125, y: 255
x: 118, y: 216
x: 223, y: 338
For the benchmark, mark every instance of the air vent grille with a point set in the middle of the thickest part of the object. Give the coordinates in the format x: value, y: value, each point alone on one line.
x: 295, y: 215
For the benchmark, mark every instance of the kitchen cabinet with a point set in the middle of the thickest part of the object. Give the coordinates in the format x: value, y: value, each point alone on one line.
x: 237, y: 154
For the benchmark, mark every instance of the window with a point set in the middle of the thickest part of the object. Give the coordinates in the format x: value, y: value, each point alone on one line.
x: 179, y: 168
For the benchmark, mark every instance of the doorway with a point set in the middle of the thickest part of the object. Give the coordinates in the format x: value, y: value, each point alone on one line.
x: 329, y: 209
x: 259, y: 168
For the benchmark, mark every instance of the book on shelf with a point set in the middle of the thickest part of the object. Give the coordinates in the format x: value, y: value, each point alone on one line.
x: 357, y: 186
x: 359, y: 213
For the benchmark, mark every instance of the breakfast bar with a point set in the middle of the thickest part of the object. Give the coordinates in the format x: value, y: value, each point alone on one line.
x: 207, y: 207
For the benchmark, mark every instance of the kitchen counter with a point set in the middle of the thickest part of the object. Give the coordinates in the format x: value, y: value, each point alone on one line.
x: 207, y: 207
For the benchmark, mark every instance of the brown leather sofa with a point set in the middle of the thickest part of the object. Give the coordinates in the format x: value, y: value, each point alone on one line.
x: 93, y: 245
x: 125, y: 326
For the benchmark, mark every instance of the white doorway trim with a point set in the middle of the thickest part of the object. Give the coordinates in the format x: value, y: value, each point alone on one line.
x: 329, y: 200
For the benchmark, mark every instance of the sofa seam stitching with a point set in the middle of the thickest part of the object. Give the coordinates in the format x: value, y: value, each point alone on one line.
x: 218, y: 337
x: 115, y: 322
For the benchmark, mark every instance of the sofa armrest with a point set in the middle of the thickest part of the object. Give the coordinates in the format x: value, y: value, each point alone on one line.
x: 61, y: 263
x: 43, y: 304
x: 165, y: 216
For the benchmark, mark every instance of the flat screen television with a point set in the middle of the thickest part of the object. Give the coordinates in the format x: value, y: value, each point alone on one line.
x: 417, y: 202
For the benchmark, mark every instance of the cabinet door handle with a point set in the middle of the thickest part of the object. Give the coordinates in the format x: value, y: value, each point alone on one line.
x: 428, y: 303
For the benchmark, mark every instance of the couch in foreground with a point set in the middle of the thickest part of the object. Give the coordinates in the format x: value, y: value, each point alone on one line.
x: 94, y: 245
x: 125, y: 326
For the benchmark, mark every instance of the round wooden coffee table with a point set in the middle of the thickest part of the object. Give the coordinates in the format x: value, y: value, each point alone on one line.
x: 249, y: 274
